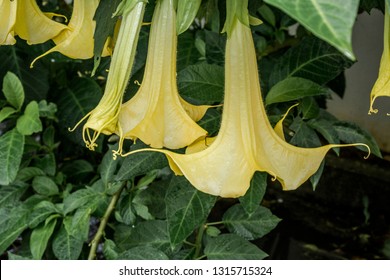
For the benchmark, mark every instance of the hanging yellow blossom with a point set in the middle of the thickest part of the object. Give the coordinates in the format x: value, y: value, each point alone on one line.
x: 382, y: 84
x: 104, y: 118
x: 156, y: 114
x: 77, y: 40
x: 246, y: 141
x: 25, y: 19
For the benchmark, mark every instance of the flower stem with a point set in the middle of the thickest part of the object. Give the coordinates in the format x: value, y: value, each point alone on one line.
x: 103, y: 223
x: 198, y: 241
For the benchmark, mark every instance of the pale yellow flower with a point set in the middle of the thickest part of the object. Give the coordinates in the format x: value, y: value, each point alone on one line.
x: 25, y: 19
x: 382, y: 84
x: 77, y: 40
x: 157, y: 115
x: 246, y: 141
x: 104, y: 118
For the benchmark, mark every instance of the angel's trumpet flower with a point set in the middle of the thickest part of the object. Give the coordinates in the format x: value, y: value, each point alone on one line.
x: 77, y: 40
x: 156, y: 114
x: 246, y: 141
x: 104, y: 118
x: 25, y: 19
x: 382, y: 84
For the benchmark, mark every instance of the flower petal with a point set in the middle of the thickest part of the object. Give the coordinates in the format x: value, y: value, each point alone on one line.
x: 156, y: 114
x: 7, y: 21
x: 33, y: 25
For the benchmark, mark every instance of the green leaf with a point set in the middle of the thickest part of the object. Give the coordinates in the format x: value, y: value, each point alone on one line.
x: 47, y: 163
x: 140, y: 164
x: 6, y: 112
x: 351, y: 133
x: 142, y: 253
x: 65, y: 245
x: 110, y: 251
x: 254, y: 195
x: 312, y: 59
x: 294, y: 88
x: 11, y: 151
x: 304, y: 136
x: 9, y: 195
x: 75, y: 102
x: 309, y: 108
x: 203, y: 82
x: 17, y: 59
x: 40, y: 212
x: 13, y: 221
x: 13, y: 90
x: 78, y: 169
x: 267, y: 14
x: 215, y: 47
x: 187, y: 209
x: 80, y: 223
x: 232, y: 247
x: 326, y: 129
x: 154, y: 198
x: 108, y: 166
x: 40, y: 237
x: 187, y: 52
x: 149, y: 233
x: 105, y: 24
x: 87, y: 197
x: 28, y: 173
x: 45, y: 186
x: 250, y: 227
x: 330, y: 20
x: 47, y: 110
x: 186, y: 13
x: 29, y: 122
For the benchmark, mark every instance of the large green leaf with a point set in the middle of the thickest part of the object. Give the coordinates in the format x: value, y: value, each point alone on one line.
x: 11, y: 194
x: 330, y: 20
x: 150, y: 233
x: 13, y: 90
x: 294, y: 88
x: 203, y: 82
x: 40, y: 237
x: 143, y: 253
x: 215, y: 47
x: 254, y: 195
x: 351, y: 133
x: 6, y: 112
x: 312, y: 59
x: 140, y: 164
x: 45, y: 186
x: 187, y: 209
x: 250, y: 227
x: 87, y: 197
x: 65, y: 245
x: 187, y: 53
x: 232, y: 247
x: 304, y: 136
x: 13, y: 221
x: 11, y: 151
x: 109, y: 166
x: 40, y: 212
x: 17, y: 59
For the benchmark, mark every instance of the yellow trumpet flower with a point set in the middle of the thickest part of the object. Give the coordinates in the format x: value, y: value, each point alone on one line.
x: 156, y: 114
x: 77, y: 40
x: 246, y: 141
x: 103, y: 119
x: 25, y: 19
x: 382, y: 84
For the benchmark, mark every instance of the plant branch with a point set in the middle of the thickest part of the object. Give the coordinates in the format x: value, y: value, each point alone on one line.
x: 103, y: 223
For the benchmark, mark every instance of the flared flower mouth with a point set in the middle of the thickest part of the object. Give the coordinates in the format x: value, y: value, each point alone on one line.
x: 25, y: 19
x: 156, y: 114
x: 382, y: 84
x: 104, y: 118
x: 246, y: 141
x: 76, y: 41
